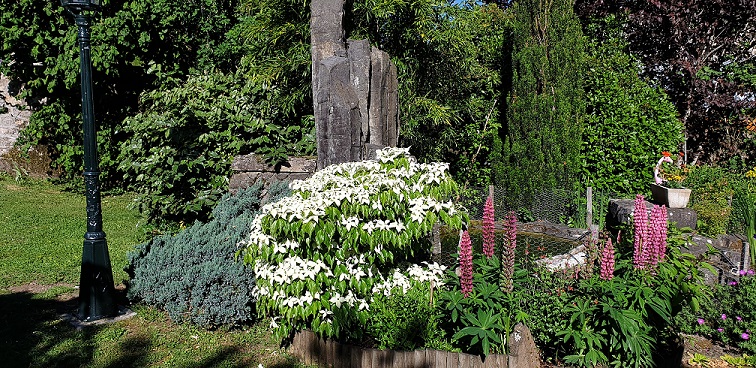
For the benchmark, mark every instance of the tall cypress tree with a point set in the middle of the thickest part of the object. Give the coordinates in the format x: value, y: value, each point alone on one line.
x: 540, y: 142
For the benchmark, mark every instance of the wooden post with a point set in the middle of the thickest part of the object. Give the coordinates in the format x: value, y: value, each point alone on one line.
x: 589, y: 207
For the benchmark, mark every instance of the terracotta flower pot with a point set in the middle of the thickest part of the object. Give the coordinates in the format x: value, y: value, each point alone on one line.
x: 670, y: 197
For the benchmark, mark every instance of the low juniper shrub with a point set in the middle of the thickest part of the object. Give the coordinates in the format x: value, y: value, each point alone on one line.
x: 194, y: 275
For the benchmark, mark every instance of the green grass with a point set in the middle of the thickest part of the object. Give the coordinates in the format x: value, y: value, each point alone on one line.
x: 33, y: 335
x: 41, y: 240
x: 43, y: 232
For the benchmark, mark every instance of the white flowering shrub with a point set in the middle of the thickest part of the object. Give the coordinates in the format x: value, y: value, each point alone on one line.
x: 320, y: 254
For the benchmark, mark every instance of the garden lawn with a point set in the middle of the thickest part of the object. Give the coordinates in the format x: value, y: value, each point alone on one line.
x: 43, y: 230
x: 41, y: 238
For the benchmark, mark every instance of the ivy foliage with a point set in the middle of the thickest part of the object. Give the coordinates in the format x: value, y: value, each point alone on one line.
x: 629, y: 122
x: 194, y: 275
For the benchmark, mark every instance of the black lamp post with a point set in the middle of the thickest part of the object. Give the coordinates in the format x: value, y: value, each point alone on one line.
x: 96, y: 291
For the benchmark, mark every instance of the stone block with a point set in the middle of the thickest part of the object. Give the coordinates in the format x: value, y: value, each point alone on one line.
x: 621, y: 212
x: 337, y: 112
x: 731, y: 257
x: 253, y: 162
x: 369, y: 150
x: 251, y: 168
x: 379, y: 65
x: 242, y: 180
x: 392, y: 107
x: 358, y: 52
x: 326, y: 32
x: 523, y: 352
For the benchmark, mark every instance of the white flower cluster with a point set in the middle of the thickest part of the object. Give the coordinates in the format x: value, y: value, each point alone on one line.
x: 433, y: 273
x: 285, y: 247
x: 325, y: 315
x: 420, y: 206
x: 344, y: 197
x: 354, y: 182
x: 383, y: 225
x: 257, y: 236
x: 355, y: 268
x: 350, y: 222
x: 434, y: 172
x: 349, y: 299
x: 293, y: 301
x: 290, y: 269
x: 296, y: 208
x: 391, y: 153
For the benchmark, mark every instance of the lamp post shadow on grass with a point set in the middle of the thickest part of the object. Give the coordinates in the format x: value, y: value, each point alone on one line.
x: 33, y: 334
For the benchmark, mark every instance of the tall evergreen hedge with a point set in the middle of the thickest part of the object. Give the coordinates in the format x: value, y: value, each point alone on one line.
x: 540, y: 141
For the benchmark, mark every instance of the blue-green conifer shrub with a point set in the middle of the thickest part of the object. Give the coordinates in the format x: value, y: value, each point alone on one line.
x: 194, y: 275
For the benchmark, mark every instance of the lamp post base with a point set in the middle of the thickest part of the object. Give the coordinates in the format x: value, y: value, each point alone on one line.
x: 96, y: 292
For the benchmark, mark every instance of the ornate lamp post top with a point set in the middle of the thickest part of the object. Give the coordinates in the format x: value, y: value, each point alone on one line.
x: 79, y: 5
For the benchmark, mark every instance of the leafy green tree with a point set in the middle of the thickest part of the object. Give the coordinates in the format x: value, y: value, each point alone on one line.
x: 448, y: 60
x: 702, y: 53
x: 540, y: 143
x: 179, y: 152
x: 136, y: 46
x: 629, y: 121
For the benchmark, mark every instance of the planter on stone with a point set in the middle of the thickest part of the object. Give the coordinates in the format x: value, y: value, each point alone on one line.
x: 670, y: 197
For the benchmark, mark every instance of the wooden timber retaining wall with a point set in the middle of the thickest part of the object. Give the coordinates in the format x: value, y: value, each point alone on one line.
x: 327, y: 353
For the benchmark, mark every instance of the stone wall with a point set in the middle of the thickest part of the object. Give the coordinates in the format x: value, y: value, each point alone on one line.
x: 14, y: 116
x: 251, y: 168
x: 732, y: 254
x: 621, y: 212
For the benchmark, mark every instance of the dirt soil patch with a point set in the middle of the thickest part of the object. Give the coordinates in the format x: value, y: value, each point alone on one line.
x: 711, y: 350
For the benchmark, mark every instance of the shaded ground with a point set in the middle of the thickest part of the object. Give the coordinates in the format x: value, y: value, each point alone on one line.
x: 32, y: 334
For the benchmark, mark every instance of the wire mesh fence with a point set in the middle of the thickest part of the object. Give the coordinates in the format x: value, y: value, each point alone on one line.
x: 577, y: 209
x: 553, y: 225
